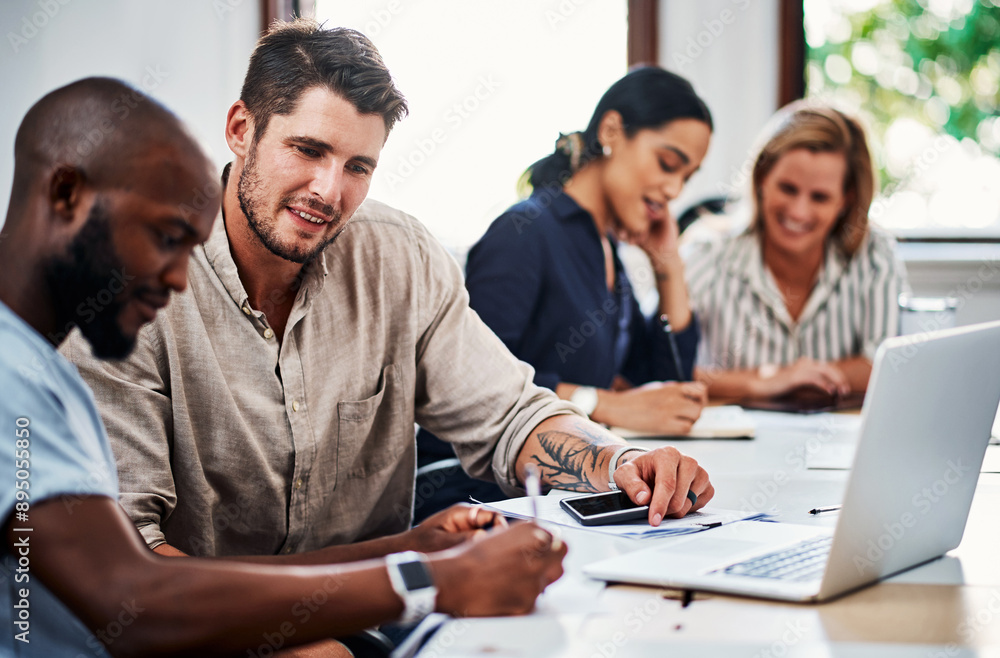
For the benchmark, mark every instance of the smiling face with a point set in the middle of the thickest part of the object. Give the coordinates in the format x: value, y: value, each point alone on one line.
x: 649, y: 169
x: 801, y: 199
x: 133, y: 249
x: 304, y: 178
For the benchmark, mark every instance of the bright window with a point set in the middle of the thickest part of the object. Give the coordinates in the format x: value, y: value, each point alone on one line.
x: 926, y: 75
x: 490, y: 86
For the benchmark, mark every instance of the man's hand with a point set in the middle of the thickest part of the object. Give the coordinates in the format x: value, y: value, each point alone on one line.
x: 669, y: 475
x: 501, y: 573
x: 657, y: 407
x: 450, y: 527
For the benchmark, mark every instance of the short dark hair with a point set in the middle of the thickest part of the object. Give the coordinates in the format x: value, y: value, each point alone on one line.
x: 298, y: 55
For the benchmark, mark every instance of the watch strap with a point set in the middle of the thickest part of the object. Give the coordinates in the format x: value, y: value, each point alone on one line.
x: 420, y: 597
x: 613, y: 466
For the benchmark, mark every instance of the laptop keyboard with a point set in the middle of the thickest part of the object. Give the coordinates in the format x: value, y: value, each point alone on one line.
x: 803, y: 561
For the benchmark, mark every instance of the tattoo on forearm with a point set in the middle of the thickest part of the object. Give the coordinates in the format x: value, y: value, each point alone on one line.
x: 573, y: 461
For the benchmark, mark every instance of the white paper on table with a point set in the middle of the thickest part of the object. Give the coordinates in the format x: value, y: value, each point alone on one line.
x: 822, y: 424
x: 549, y: 511
x: 832, y: 456
x: 725, y: 422
x: 840, y: 456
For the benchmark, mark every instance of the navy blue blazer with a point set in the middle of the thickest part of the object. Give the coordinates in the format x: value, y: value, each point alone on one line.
x: 537, y: 279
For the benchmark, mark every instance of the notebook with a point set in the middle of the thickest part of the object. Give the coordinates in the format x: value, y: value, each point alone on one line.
x: 925, y: 426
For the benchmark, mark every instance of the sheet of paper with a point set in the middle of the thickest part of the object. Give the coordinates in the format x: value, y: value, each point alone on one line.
x: 725, y: 422
x: 840, y: 456
x: 549, y: 511
x: 829, y: 424
x: 832, y: 456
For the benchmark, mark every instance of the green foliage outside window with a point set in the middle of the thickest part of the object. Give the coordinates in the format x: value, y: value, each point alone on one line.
x: 926, y: 75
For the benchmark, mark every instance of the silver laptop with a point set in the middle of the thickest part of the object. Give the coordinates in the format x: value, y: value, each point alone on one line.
x: 925, y: 426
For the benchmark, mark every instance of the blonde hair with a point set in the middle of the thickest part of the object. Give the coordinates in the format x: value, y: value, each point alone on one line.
x: 822, y: 129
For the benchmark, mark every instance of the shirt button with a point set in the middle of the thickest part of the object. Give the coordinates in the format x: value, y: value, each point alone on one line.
x: 246, y: 309
x: 288, y: 549
x: 295, y: 405
x: 268, y: 333
x: 298, y: 483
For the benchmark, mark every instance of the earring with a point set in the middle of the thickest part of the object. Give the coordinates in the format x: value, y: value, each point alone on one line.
x: 606, y: 150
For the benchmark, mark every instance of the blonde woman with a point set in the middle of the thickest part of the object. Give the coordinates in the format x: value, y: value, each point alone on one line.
x: 803, y: 297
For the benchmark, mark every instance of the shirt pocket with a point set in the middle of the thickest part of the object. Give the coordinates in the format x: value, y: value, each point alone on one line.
x: 366, y: 428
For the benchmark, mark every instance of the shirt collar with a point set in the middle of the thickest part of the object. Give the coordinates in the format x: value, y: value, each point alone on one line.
x: 565, y: 209
x: 747, y: 263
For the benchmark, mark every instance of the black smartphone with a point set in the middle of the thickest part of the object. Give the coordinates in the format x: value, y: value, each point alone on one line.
x: 604, y: 508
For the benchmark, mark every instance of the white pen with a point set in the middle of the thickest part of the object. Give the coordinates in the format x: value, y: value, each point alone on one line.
x: 533, y: 485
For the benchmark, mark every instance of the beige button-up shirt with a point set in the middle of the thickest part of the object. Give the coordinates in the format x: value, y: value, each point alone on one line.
x: 229, y: 443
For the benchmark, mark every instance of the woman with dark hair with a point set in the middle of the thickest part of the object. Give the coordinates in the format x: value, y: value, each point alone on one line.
x: 547, y: 279
x: 806, y: 294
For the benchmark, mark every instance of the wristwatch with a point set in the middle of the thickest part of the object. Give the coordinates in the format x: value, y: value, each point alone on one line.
x: 585, y: 397
x: 411, y: 579
x: 613, y: 465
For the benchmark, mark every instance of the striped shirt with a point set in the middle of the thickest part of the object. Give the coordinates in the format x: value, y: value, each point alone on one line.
x: 852, y: 308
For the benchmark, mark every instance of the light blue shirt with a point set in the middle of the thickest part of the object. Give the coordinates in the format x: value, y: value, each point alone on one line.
x: 68, y: 456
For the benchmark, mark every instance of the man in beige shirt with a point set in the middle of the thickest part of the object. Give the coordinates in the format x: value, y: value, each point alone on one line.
x: 86, y: 585
x: 270, y: 409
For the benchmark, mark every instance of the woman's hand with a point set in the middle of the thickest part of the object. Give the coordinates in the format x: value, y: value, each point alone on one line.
x: 804, y: 372
x: 657, y: 407
x: 661, y: 245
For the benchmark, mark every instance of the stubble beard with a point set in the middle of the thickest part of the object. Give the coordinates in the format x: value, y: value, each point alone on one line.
x: 265, y: 227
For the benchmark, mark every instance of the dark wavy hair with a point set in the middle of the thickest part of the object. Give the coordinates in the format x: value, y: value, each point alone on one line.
x: 647, y: 97
x: 298, y: 55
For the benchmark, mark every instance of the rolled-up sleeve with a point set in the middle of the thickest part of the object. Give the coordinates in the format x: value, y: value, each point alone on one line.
x: 470, y: 390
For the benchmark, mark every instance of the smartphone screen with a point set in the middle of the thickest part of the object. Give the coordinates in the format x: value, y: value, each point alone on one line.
x: 602, y: 508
